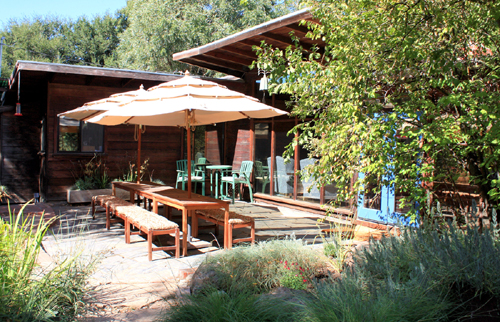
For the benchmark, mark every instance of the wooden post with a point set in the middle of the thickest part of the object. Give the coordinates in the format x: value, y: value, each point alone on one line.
x: 188, y: 129
x: 139, y: 128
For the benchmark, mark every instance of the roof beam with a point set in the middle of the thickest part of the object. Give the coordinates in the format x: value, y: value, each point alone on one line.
x: 221, y: 63
x: 222, y: 69
x: 239, y: 52
x: 230, y: 57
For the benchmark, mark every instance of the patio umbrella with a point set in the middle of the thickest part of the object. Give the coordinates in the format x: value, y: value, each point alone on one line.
x: 94, y: 108
x: 187, y: 102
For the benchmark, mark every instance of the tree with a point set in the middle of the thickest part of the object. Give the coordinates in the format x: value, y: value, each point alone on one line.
x: 158, y: 29
x: 40, y: 39
x: 57, y: 40
x: 95, y: 42
x: 406, y: 92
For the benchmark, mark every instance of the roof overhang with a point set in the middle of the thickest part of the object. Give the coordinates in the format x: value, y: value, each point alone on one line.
x: 234, y: 54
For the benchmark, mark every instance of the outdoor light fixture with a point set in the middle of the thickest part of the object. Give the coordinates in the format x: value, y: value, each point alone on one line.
x: 18, y: 110
x: 263, y: 83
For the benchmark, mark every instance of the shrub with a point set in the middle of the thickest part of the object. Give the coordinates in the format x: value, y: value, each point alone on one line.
x: 258, y: 268
x: 235, y: 306
x: 421, y: 275
x: 294, y: 276
x: 29, y: 292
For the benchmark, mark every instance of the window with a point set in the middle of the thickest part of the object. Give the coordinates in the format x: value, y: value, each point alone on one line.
x: 77, y: 136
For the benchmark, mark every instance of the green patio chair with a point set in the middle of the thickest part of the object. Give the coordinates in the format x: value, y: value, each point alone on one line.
x: 261, y: 175
x: 196, y: 176
x: 239, y: 177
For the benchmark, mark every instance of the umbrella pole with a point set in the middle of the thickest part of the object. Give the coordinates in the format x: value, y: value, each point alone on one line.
x: 189, y: 159
x: 139, y: 154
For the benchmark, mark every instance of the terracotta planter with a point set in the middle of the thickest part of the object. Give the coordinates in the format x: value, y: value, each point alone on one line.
x: 82, y: 196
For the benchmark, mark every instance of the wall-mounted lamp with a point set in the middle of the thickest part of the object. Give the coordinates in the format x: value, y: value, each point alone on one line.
x: 263, y: 84
x: 18, y: 110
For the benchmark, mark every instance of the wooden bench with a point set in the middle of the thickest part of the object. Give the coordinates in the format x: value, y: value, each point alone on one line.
x: 108, y: 202
x: 147, y: 222
x: 236, y: 220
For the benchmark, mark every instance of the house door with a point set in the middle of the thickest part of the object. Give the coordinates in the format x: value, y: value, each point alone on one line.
x: 377, y: 206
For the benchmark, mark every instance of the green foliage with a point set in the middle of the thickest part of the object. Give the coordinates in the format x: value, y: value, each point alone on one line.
x: 422, y: 275
x: 260, y: 268
x: 93, y: 175
x: 405, y: 92
x: 58, y: 40
x: 130, y: 174
x: 158, y: 29
x: 294, y: 276
x: 232, y: 306
x: 352, y: 299
x: 32, y: 293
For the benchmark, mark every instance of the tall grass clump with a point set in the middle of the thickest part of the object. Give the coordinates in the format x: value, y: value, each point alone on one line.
x: 234, y: 306
x: 29, y: 292
x: 234, y: 285
x: 424, y: 274
x: 260, y: 268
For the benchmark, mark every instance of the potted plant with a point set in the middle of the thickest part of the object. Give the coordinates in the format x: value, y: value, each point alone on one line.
x: 93, y: 180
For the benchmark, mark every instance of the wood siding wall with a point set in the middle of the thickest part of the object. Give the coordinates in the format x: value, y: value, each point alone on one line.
x: 161, y: 145
x: 20, y: 144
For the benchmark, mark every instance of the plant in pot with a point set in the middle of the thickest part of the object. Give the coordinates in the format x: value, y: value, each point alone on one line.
x: 92, y: 180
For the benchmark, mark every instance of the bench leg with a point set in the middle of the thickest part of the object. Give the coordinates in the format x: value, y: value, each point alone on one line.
x: 252, y: 233
x: 108, y: 217
x: 150, y: 245
x: 127, y: 230
x: 229, y: 236
x: 177, y: 243
x: 92, y: 202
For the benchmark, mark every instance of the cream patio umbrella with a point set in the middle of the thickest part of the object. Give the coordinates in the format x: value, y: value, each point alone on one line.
x: 187, y: 102
x: 94, y: 108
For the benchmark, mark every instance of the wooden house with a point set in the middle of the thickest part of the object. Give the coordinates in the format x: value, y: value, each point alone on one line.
x: 33, y: 157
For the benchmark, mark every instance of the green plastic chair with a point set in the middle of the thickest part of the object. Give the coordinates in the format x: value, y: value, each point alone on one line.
x: 261, y: 175
x: 196, y: 176
x: 240, y: 177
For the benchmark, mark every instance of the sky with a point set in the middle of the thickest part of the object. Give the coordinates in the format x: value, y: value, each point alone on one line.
x: 63, y: 8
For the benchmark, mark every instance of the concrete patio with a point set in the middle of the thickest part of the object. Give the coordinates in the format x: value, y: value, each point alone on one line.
x: 124, y: 279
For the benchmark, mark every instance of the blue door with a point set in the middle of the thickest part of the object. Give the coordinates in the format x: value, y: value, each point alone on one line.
x: 378, y: 207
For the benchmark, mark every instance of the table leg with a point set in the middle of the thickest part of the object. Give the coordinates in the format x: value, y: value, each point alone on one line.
x: 211, y: 184
x: 226, y: 229
x: 155, y: 206
x: 132, y: 197
x: 184, y: 232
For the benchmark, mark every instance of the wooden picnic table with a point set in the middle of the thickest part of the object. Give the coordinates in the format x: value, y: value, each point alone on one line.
x: 178, y: 199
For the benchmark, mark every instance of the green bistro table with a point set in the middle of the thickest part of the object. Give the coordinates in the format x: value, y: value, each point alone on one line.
x: 217, y: 169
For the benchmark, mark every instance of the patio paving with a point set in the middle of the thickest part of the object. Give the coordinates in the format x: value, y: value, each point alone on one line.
x: 124, y: 279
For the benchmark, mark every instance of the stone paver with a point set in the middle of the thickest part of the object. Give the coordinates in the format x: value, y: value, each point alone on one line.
x: 124, y: 281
